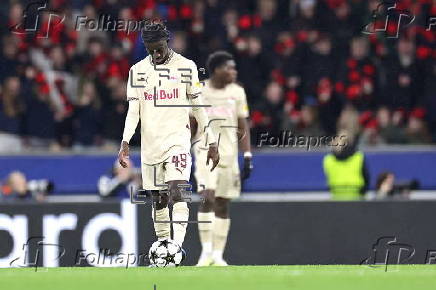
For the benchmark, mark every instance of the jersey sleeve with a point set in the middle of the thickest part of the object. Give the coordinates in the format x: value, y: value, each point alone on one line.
x: 131, y: 91
x: 132, y: 117
x: 242, y: 107
x: 193, y: 91
x: 193, y: 85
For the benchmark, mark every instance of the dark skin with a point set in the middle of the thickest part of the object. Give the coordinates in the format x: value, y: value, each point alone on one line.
x: 160, y: 52
x: 220, y: 78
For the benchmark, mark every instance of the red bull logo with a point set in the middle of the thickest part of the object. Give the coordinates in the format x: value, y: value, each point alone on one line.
x: 163, y: 95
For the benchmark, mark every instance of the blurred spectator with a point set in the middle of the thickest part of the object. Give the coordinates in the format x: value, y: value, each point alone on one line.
x: 118, y: 65
x: 309, y: 125
x: 402, y: 88
x: 96, y: 59
x: 306, y: 24
x: 356, y: 81
x: 388, y: 188
x: 179, y: 42
x: 349, y: 121
x: 306, y: 124
x: 121, y: 181
x: 11, y: 113
x: 254, y: 67
x: 8, y: 59
x: 114, y: 116
x: 343, y: 22
x: 87, y: 119
x: 272, y: 106
x: 16, y: 186
x: 268, y: 22
x: 318, y: 76
x: 39, y: 121
x: 320, y: 65
x: 126, y: 38
x: 289, y: 61
x: 385, y: 185
x: 86, y: 35
x: 416, y: 129
x: 389, y: 132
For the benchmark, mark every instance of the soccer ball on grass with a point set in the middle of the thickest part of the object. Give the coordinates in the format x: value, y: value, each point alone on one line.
x: 165, y: 253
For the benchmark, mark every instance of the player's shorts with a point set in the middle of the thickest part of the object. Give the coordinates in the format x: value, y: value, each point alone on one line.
x: 224, y: 179
x: 175, y: 167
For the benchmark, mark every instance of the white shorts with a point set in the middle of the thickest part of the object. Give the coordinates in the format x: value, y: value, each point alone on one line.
x: 175, y: 167
x: 224, y: 179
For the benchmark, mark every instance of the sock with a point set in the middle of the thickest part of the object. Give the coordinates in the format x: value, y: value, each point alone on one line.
x: 162, y: 230
x: 220, y: 230
x: 205, y: 232
x: 180, y: 213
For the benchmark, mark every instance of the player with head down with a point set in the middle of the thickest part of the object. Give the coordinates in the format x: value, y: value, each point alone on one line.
x: 228, y: 116
x: 162, y: 90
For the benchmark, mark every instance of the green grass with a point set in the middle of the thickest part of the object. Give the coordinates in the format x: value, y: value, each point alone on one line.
x: 335, y: 277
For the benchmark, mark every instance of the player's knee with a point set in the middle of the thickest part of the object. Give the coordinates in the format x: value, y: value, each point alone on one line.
x: 179, y: 190
x: 221, y: 207
x: 163, y: 203
x: 160, y: 199
x: 208, y: 200
x: 175, y: 192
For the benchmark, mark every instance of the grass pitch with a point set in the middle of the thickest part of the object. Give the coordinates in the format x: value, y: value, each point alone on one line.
x: 333, y: 277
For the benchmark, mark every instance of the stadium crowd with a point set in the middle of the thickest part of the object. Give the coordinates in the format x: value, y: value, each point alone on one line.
x: 306, y: 66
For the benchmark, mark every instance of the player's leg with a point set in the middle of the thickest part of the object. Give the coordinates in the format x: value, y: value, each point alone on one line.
x: 177, y: 172
x: 161, y: 215
x: 180, y: 209
x: 221, y: 228
x: 152, y: 175
x: 206, y: 181
x: 205, y: 218
x: 228, y: 187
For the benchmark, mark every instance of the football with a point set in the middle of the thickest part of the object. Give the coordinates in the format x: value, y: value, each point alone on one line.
x: 165, y: 253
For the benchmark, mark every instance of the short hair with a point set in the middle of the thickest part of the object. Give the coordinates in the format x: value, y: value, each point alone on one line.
x: 217, y: 59
x: 154, y: 31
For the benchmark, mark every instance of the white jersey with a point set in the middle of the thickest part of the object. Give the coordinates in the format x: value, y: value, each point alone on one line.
x: 227, y: 105
x: 162, y: 97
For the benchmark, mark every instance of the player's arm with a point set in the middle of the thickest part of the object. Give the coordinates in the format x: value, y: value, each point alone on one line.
x: 130, y: 124
x: 244, y: 144
x: 199, y: 113
x: 193, y: 125
x: 244, y: 136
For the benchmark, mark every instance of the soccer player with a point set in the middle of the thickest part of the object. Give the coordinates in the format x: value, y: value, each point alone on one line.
x: 228, y: 116
x: 162, y: 90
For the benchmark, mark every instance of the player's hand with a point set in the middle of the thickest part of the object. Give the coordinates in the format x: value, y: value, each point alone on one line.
x: 248, y: 167
x: 213, y: 154
x: 123, y: 155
